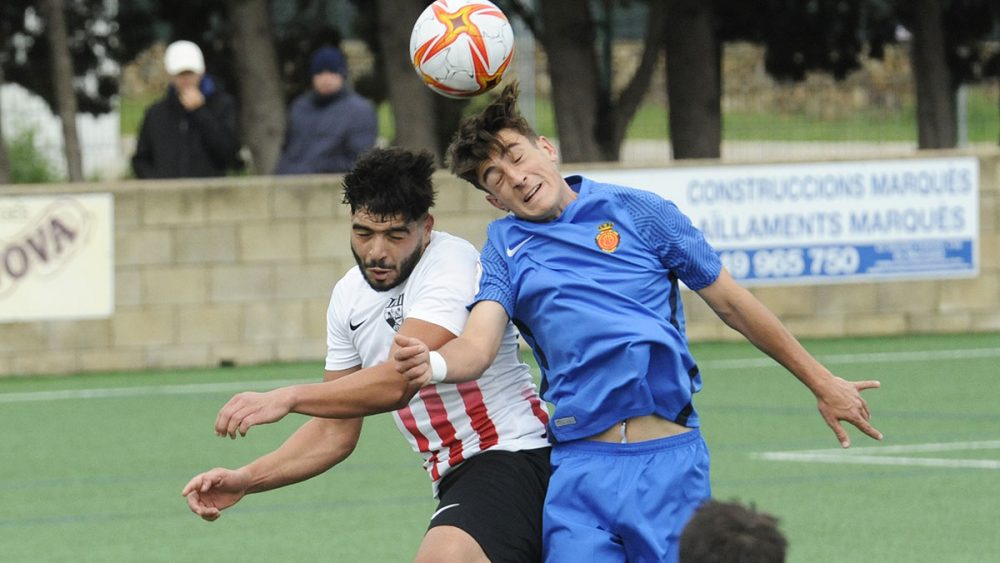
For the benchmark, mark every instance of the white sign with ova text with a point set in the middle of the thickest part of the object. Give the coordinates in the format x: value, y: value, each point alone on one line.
x: 56, y: 257
x: 829, y: 222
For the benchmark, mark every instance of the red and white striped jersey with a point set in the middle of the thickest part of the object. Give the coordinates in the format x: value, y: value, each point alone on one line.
x: 446, y: 423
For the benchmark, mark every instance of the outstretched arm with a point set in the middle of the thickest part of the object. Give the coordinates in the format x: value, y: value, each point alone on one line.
x: 838, y: 400
x: 369, y: 391
x: 467, y: 356
x: 314, y: 448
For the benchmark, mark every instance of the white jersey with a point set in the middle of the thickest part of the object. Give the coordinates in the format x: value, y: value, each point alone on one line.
x: 446, y: 423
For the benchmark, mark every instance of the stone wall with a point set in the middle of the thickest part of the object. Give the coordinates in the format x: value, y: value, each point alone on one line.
x: 240, y: 270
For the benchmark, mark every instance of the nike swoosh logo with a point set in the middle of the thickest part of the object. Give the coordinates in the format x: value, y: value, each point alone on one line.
x: 513, y: 250
x: 355, y: 326
x: 442, y: 509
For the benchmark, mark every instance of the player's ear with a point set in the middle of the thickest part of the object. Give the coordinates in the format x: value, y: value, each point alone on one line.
x: 496, y: 202
x: 428, y: 224
x: 547, y: 146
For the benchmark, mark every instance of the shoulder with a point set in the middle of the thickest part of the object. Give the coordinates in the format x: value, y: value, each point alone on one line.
x: 351, y: 281
x: 621, y: 193
x: 356, y: 100
x: 350, y: 289
x: 158, y: 107
x: 638, y: 203
x: 215, y: 93
x: 498, y: 229
x: 446, y: 246
x: 301, y: 101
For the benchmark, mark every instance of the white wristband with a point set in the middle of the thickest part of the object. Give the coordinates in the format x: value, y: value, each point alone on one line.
x: 439, y: 368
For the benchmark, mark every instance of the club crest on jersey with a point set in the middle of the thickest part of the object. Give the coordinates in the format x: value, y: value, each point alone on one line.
x: 607, y: 238
x: 393, y: 313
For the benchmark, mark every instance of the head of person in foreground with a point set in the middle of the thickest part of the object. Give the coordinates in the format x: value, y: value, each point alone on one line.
x: 729, y: 532
x: 498, y: 152
x: 390, y: 193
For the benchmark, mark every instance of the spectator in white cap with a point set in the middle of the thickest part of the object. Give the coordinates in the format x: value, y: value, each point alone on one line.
x: 191, y: 131
x: 330, y: 125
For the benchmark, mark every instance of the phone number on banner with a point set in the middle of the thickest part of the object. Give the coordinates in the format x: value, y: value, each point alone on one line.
x: 898, y: 259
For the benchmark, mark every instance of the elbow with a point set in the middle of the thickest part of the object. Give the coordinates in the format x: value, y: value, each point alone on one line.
x: 403, y: 394
x: 345, y: 449
x: 391, y: 395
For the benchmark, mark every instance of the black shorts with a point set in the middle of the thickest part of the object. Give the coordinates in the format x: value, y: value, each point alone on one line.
x: 496, y: 497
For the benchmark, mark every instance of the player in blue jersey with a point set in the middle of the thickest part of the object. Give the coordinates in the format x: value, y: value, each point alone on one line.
x: 590, y: 274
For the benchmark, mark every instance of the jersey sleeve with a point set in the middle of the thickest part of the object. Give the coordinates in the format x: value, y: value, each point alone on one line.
x: 440, y: 291
x: 680, y: 246
x: 494, y: 279
x: 340, y: 351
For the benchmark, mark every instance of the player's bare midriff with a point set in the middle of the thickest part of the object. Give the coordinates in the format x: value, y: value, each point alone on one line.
x: 640, y: 429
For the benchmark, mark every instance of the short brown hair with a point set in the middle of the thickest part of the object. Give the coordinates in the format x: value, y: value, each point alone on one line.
x: 476, y: 139
x: 727, y: 532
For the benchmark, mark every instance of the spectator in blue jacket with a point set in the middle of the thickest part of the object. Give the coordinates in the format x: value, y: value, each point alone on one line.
x: 329, y: 126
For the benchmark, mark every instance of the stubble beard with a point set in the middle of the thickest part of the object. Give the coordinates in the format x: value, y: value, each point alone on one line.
x: 403, y: 269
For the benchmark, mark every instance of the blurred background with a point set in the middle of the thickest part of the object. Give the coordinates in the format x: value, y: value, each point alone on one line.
x: 636, y: 80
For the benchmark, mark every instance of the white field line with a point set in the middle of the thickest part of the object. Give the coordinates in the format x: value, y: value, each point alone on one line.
x: 147, y: 390
x: 883, y: 455
x: 869, y: 358
x: 736, y: 363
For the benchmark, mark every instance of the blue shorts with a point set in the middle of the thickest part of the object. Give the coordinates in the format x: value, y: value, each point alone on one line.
x: 623, y: 502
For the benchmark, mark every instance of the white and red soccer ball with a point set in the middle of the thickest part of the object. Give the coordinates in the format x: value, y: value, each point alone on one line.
x: 461, y: 48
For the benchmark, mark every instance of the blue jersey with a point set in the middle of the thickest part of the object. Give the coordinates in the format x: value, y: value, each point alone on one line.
x: 595, y: 294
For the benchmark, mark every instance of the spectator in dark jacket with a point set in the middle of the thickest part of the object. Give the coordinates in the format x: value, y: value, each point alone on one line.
x: 191, y: 131
x: 329, y: 126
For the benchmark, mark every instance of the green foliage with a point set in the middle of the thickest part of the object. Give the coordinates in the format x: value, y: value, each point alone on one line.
x: 93, y: 44
x: 131, y: 110
x: 27, y: 164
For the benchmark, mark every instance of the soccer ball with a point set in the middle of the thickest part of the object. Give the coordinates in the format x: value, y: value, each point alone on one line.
x: 461, y: 48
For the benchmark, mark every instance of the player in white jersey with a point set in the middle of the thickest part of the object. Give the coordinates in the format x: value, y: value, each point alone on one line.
x: 484, y: 443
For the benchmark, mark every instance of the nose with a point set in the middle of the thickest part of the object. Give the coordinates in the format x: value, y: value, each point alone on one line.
x: 515, y: 177
x: 376, y: 249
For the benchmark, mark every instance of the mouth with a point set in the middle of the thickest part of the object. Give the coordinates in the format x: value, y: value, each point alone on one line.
x: 532, y: 193
x: 380, y: 274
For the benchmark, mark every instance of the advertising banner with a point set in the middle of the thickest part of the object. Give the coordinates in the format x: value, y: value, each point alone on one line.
x: 56, y: 257
x: 829, y: 222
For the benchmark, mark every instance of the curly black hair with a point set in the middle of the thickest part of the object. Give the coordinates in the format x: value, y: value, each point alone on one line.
x: 391, y: 182
x: 476, y: 139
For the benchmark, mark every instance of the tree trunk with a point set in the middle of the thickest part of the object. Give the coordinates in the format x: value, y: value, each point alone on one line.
x: 262, y: 103
x: 612, y: 130
x: 694, y: 79
x: 412, y: 102
x: 568, y: 39
x: 937, y: 119
x: 4, y: 159
x: 62, y: 79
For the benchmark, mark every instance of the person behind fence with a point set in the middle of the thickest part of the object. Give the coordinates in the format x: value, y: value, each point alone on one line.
x: 729, y: 532
x: 191, y: 132
x: 330, y: 125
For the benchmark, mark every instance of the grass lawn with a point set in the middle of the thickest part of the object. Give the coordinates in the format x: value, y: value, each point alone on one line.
x: 93, y: 464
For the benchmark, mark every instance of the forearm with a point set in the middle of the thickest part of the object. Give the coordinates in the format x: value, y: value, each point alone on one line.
x: 765, y: 331
x: 314, y: 448
x: 837, y: 399
x: 745, y: 314
x: 467, y: 359
x: 370, y: 391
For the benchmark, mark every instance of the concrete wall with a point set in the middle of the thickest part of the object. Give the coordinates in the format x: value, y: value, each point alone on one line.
x: 240, y: 269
